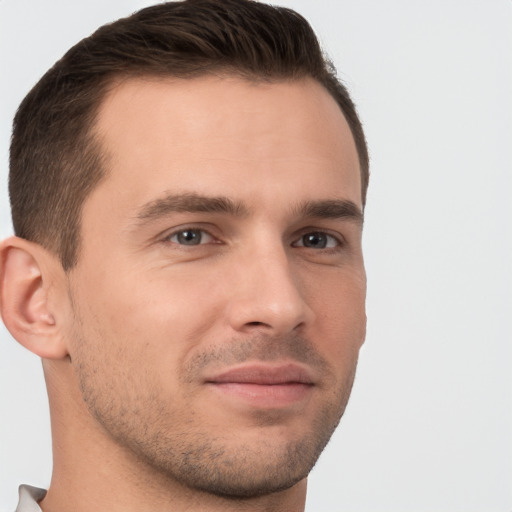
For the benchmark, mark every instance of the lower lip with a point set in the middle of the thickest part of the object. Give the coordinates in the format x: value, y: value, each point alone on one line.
x: 265, y: 395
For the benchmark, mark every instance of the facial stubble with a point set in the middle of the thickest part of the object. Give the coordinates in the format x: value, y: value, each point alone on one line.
x: 131, y: 407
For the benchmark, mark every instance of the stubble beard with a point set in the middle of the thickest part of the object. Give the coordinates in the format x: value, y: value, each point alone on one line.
x: 181, y: 448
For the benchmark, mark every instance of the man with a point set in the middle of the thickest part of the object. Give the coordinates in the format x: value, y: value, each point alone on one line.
x: 187, y: 189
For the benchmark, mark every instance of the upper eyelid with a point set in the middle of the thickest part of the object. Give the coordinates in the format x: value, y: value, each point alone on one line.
x: 210, y: 231
x: 168, y: 233
x: 339, y: 242
x: 199, y: 226
x: 174, y: 233
x: 310, y: 229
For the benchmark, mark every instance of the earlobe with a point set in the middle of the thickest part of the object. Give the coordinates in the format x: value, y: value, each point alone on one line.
x: 26, y: 279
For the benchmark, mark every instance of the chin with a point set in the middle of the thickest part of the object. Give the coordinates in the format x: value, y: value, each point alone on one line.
x: 257, y: 464
x: 250, y: 473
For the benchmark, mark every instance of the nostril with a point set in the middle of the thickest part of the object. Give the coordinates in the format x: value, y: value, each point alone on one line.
x: 256, y: 324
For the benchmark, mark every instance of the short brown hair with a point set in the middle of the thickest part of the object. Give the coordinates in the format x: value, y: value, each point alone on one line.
x: 55, y: 161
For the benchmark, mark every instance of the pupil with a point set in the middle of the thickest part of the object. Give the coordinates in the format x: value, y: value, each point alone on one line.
x: 315, y: 240
x: 189, y: 237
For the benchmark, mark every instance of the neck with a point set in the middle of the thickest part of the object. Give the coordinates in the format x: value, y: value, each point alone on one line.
x: 93, y: 472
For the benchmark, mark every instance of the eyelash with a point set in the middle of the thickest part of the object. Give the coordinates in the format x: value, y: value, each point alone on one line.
x: 336, y: 241
x: 190, y: 229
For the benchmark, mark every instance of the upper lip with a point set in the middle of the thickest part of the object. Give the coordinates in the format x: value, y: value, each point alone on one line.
x: 264, y: 374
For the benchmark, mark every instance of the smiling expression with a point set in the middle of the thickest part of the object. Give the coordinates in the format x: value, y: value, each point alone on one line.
x: 219, y: 295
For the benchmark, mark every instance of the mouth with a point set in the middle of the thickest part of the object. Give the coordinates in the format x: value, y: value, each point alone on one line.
x: 264, y: 385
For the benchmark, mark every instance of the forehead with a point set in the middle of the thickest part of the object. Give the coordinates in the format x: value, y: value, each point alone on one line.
x: 224, y: 136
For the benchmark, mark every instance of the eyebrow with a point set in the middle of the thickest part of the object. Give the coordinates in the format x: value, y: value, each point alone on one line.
x: 190, y: 203
x: 195, y: 203
x: 332, y: 209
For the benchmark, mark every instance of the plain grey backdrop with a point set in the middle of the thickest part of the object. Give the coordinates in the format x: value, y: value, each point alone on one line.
x: 429, y: 424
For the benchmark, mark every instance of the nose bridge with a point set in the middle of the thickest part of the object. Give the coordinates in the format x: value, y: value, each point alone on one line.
x: 266, y: 292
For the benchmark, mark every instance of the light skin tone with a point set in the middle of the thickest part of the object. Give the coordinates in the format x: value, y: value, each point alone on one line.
x: 201, y: 352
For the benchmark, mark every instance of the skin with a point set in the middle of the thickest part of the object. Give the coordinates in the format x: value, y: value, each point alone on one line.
x: 166, y: 300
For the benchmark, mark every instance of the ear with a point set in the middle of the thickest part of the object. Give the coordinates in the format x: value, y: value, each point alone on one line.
x: 29, y: 276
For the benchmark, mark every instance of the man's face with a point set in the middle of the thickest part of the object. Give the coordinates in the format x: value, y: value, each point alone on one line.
x: 219, y: 296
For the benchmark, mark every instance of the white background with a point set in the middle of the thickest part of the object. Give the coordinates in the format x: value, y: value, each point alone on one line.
x: 429, y: 426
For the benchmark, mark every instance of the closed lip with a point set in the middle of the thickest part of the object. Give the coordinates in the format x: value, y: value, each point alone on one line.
x: 264, y: 374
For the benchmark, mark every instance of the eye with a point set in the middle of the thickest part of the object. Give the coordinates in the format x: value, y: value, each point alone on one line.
x: 190, y: 236
x: 317, y: 240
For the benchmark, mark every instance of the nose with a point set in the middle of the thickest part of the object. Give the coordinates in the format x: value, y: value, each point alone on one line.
x: 267, y: 296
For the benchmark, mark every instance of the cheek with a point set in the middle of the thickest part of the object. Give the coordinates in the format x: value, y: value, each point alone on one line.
x: 119, y: 361
x: 340, y: 314
x: 156, y: 318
